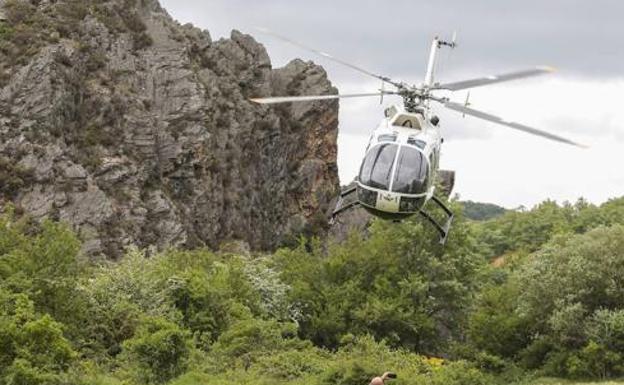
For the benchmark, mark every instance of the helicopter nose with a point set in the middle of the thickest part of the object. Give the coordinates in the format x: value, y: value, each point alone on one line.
x: 388, y: 202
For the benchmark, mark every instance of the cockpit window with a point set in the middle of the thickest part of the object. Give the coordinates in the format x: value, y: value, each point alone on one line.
x: 387, y: 138
x: 412, y: 172
x: 377, y: 166
x: 416, y: 142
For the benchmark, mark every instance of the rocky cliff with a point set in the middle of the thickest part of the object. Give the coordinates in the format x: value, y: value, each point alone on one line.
x: 137, y: 130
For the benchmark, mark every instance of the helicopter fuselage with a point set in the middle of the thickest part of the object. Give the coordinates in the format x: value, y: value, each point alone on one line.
x: 397, y: 175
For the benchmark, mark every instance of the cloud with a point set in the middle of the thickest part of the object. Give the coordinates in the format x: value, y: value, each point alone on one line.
x: 583, y: 36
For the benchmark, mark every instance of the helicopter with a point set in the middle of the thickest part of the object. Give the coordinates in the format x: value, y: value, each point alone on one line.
x: 400, y: 169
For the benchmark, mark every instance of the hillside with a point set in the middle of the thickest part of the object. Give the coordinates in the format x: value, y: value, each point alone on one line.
x: 137, y: 130
x: 479, y: 211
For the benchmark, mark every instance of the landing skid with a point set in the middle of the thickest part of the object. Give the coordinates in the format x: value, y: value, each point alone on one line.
x: 346, y: 202
x: 442, y: 229
x: 341, y: 205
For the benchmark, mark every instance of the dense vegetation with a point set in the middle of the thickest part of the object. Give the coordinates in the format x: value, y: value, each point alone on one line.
x: 535, y: 292
x: 478, y: 211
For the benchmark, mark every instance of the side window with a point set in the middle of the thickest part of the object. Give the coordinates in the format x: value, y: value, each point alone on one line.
x: 434, y: 158
x: 416, y: 142
x: 432, y: 162
x: 387, y: 138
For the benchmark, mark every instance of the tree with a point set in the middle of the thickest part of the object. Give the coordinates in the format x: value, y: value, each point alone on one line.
x: 561, y: 308
x: 33, y: 349
x: 158, y: 352
x: 397, y: 284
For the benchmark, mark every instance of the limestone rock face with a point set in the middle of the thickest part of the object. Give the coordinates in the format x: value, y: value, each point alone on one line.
x: 137, y: 130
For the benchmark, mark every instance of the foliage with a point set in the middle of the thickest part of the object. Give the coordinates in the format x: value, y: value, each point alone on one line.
x: 31, y: 25
x: 320, y: 313
x: 33, y: 349
x: 159, y: 350
x: 529, y: 230
x: 12, y: 177
x: 41, y: 261
x: 116, y: 296
x: 409, y: 292
x: 478, y: 211
x: 561, y: 309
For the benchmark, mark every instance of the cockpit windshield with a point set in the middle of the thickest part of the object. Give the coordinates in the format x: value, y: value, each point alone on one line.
x: 376, y: 169
x: 411, y: 173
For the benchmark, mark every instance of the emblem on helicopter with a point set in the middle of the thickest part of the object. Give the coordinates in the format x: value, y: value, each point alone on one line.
x: 400, y: 170
x: 387, y: 202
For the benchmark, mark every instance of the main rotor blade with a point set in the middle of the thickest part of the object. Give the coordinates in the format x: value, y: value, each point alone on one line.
x: 328, y: 56
x: 521, y: 127
x: 484, y: 81
x: 287, y: 99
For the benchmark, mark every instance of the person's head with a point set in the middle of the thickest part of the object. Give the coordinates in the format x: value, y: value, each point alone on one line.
x: 383, y: 378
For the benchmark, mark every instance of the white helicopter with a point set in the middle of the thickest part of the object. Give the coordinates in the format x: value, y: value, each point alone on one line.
x: 400, y: 170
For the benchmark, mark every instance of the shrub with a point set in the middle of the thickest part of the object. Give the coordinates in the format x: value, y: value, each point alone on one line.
x: 13, y: 177
x: 41, y: 261
x: 117, y: 296
x: 561, y: 308
x: 159, y: 350
x: 141, y: 40
x: 33, y: 350
x: 398, y: 284
x: 606, y: 327
x: 6, y: 31
x: 21, y: 372
x: 211, y: 297
x: 255, y: 336
x: 18, y: 12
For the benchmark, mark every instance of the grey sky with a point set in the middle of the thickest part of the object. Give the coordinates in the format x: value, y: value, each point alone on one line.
x: 584, y: 39
x: 582, y: 36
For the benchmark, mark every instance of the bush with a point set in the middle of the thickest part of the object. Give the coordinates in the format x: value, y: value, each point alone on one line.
x: 213, y: 295
x: 251, y: 337
x: 117, y: 296
x: 18, y: 12
x: 13, y: 177
x: 561, y: 309
x: 141, y: 40
x: 606, y: 327
x: 21, y: 372
x: 33, y: 350
x: 159, y: 351
x: 5, y: 31
x: 413, y: 294
x: 41, y: 260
